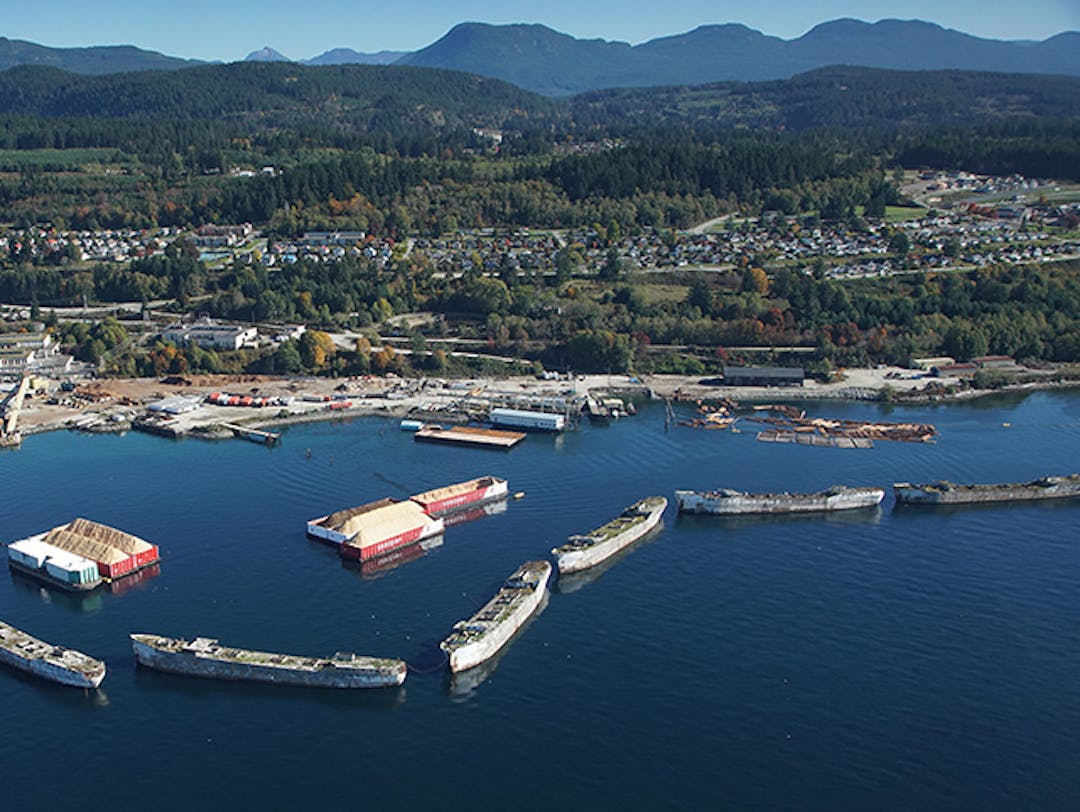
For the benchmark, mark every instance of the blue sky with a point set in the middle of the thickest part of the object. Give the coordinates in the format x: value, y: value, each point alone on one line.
x: 229, y: 29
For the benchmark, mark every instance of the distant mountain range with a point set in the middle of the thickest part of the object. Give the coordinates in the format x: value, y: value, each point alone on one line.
x: 545, y: 61
x: 536, y: 58
x: 95, y: 60
x: 336, y: 56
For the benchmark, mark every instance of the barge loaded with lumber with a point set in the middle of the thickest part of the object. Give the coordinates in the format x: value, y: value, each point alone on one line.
x: 375, y: 528
x: 727, y: 502
x: 203, y: 657
x: 462, y: 496
x: 54, y: 663
x: 948, y: 493
x: 480, y: 637
x: 584, y: 551
x: 81, y: 555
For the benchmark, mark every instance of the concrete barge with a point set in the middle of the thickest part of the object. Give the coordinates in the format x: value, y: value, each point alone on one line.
x: 727, y: 502
x: 203, y: 657
x: 948, y: 493
x: 480, y: 637
x: 54, y: 663
x: 584, y: 551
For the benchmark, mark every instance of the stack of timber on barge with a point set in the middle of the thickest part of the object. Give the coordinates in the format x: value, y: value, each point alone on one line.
x: 463, y: 495
x: 947, y: 493
x: 203, y: 657
x: 726, y: 502
x: 582, y: 552
x: 480, y: 637
x: 54, y: 663
x: 375, y: 528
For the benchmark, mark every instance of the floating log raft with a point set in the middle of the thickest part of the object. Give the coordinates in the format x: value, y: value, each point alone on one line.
x: 849, y: 429
x: 804, y: 438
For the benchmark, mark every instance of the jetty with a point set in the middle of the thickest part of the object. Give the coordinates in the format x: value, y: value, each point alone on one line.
x: 253, y: 435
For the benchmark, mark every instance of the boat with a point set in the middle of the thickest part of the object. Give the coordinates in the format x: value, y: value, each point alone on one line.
x: 463, y: 495
x: 375, y: 528
x: 727, y: 502
x: 584, y: 551
x: 948, y: 493
x: 204, y: 657
x: 478, y: 639
x: 54, y: 663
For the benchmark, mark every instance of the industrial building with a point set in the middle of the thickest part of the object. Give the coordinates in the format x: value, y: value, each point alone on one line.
x: 763, y: 376
x: 522, y: 419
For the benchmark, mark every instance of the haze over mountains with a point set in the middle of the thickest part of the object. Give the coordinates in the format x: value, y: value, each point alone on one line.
x: 545, y: 61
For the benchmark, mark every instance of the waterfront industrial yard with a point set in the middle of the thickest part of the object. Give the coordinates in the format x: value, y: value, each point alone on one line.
x: 112, y: 404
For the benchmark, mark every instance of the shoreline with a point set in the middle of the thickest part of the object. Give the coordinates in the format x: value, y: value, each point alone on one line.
x: 435, y: 399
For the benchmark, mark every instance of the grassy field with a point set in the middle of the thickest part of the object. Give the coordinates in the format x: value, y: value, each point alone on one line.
x: 897, y: 214
x: 56, y: 160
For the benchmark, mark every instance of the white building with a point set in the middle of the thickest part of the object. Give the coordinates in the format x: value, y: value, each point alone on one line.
x: 208, y: 334
x: 29, y: 352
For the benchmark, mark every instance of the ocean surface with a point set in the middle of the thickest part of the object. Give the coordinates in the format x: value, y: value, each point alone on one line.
x: 915, y: 658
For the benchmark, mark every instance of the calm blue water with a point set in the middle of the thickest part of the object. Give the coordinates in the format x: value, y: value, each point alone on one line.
x: 913, y: 659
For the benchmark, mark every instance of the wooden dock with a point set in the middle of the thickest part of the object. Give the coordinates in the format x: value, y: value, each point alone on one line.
x: 469, y: 435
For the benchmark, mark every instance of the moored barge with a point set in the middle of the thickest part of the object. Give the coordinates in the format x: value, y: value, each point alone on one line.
x: 727, y: 502
x: 480, y: 637
x: 204, y: 657
x: 584, y: 551
x: 60, y: 556
x: 54, y: 663
x: 463, y: 495
x: 375, y: 528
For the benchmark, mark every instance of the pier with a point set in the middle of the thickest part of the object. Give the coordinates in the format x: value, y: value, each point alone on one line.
x: 253, y: 435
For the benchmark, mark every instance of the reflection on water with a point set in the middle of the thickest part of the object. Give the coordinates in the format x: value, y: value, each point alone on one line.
x: 381, y: 564
x: 65, y: 696
x: 205, y: 689
x: 137, y: 580
x: 480, y: 512
x: 82, y: 602
x: 847, y: 518
x: 915, y: 510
